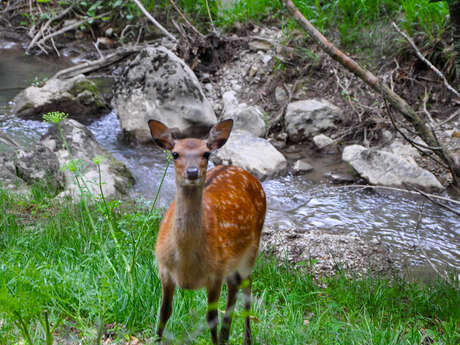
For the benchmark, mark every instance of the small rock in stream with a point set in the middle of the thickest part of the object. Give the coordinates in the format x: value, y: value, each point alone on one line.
x: 302, y: 166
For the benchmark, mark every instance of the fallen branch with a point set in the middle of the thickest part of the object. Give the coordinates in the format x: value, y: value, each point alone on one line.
x: 210, y: 17
x: 413, y: 143
x: 423, y: 131
x: 68, y: 28
x: 97, y: 64
x: 158, y: 25
x: 394, y: 189
x: 427, y: 258
x: 279, y: 118
x: 425, y: 60
x: 41, y: 32
x: 194, y: 29
x: 450, y: 118
x: 438, y: 203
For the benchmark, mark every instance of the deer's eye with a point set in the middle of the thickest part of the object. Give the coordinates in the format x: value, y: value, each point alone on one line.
x: 175, y: 155
x: 206, y: 155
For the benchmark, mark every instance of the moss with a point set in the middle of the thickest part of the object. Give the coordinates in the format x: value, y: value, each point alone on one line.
x: 83, y: 86
x: 87, y: 85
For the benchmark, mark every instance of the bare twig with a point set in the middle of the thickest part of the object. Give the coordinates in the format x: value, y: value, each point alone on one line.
x: 346, y: 93
x: 158, y: 25
x: 47, y: 24
x: 55, y: 48
x: 425, y: 60
x: 190, y: 25
x: 438, y: 203
x: 425, y: 110
x: 450, y: 118
x: 210, y: 17
x: 365, y: 186
x: 280, y: 116
x: 96, y: 45
x: 139, y: 34
x: 61, y: 31
x: 125, y: 29
x: 427, y: 258
x: 97, y: 64
x: 414, y: 144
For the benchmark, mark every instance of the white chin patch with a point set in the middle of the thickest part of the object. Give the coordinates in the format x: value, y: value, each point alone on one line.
x: 188, y: 182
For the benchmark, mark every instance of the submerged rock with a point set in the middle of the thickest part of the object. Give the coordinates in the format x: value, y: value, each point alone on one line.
x: 253, y: 154
x: 388, y: 169
x: 307, y: 118
x: 158, y: 85
x: 302, y: 166
x: 77, y: 96
x: 115, y: 177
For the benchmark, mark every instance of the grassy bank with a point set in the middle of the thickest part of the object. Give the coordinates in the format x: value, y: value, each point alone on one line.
x: 91, y: 273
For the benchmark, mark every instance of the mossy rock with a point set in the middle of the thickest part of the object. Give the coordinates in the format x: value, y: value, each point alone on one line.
x: 77, y: 96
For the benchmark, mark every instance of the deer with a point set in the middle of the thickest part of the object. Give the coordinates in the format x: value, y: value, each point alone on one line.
x: 211, y: 231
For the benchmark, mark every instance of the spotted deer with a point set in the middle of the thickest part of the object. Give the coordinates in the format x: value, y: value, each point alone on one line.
x: 211, y: 231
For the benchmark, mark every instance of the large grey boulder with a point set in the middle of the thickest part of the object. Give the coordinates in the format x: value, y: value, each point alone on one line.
x: 158, y: 85
x: 38, y: 164
x: 384, y: 168
x: 115, y: 177
x: 253, y: 154
x: 22, y: 166
x: 307, y: 118
x: 8, y: 179
x: 248, y: 118
x: 77, y: 96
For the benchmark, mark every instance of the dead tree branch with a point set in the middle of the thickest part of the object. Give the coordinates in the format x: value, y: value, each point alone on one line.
x: 158, y: 25
x: 65, y: 29
x: 97, y: 64
x: 394, y: 189
x: 42, y: 30
x: 450, y: 118
x: 190, y: 25
x: 427, y: 258
x: 413, y: 143
x: 425, y: 60
x: 438, y: 203
x: 423, y: 131
x: 210, y: 17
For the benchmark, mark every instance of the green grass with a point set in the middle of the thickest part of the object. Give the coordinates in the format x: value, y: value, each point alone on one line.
x: 53, y: 259
x: 350, y: 19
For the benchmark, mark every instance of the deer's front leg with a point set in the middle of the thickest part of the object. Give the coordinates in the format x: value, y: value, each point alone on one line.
x: 212, y: 315
x: 167, y: 288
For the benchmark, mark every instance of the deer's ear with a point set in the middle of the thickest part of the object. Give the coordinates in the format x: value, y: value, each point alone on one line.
x: 219, y: 134
x: 161, y: 134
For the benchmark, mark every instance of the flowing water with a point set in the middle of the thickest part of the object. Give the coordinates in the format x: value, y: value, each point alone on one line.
x: 411, y: 227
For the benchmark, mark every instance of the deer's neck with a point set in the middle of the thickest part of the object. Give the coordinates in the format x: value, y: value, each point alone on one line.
x: 188, y: 222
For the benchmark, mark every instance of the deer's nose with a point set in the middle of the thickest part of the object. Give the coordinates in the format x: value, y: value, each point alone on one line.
x: 192, y: 173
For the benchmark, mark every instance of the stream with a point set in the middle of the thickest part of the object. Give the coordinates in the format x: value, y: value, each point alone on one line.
x: 308, y: 202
